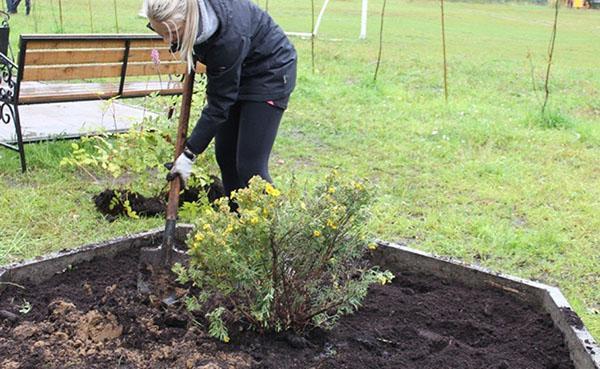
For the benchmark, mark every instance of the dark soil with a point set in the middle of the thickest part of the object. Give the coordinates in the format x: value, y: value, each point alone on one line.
x: 92, y: 317
x: 151, y: 206
x: 572, y: 318
x: 143, y: 206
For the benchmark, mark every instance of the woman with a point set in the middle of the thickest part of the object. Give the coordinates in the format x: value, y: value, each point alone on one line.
x: 251, y: 72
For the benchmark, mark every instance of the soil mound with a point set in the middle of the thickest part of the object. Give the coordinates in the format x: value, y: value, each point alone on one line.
x: 114, y: 203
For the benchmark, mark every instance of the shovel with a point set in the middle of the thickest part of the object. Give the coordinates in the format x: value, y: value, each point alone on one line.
x: 161, y: 258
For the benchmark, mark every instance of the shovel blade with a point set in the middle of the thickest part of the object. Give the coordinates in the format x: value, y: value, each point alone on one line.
x: 154, y: 261
x: 155, y: 257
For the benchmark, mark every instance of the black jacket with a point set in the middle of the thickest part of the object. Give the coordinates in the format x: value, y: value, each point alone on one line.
x: 248, y: 58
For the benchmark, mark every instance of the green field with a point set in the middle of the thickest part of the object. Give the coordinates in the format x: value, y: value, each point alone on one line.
x: 481, y: 178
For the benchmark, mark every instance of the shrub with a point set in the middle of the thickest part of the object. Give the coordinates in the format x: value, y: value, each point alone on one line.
x: 133, y: 162
x: 133, y: 159
x: 281, y: 262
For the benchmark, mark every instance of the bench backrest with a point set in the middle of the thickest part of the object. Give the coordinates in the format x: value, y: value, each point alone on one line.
x: 73, y: 57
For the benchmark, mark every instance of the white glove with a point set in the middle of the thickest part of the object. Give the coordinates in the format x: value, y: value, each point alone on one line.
x: 182, y: 167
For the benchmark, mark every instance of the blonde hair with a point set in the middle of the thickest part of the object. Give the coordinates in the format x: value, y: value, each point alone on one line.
x: 172, y: 13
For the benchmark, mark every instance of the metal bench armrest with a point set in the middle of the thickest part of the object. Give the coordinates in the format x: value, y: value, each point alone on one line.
x: 8, y: 79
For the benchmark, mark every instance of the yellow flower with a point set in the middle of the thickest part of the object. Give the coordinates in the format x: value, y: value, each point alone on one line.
x: 372, y: 246
x: 195, y: 252
x: 207, y: 227
x: 331, y: 190
x: 358, y: 186
x: 383, y: 280
x: 228, y: 230
x: 317, y: 233
x: 272, y: 191
x: 302, y: 205
x: 254, y: 220
x: 199, y: 237
x: 331, y: 224
x: 226, y: 339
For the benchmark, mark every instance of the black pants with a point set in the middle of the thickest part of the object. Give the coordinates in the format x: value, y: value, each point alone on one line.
x: 12, y: 5
x: 243, y: 144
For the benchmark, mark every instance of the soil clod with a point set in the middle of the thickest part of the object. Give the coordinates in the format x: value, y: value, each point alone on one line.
x: 114, y: 203
x: 572, y: 317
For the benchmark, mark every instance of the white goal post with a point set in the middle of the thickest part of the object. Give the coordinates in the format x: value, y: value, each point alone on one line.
x: 315, y: 32
x: 363, y: 19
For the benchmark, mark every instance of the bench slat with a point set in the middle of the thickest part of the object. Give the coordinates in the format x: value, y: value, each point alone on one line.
x: 92, y: 56
x: 90, y: 71
x: 83, y: 56
x: 143, y: 55
x: 149, y: 44
x: 92, y: 44
x: 166, y: 68
x: 32, y: 92
x: 74, y: 44
x: 149, y: 69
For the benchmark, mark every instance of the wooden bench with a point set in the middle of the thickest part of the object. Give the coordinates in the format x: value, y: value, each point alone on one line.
x: 55, y: 68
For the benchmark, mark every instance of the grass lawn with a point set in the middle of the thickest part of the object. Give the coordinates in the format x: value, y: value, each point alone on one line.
x: 481, y: 178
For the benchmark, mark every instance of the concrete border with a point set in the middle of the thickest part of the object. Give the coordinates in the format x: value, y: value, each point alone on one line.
x: 585, y: 352
x: 44, y: 267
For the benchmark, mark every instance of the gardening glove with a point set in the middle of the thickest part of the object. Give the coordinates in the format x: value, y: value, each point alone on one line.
x: 182, y: 166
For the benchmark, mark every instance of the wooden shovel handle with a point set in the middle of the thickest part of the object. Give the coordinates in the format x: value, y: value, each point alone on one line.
x: 184, y: 117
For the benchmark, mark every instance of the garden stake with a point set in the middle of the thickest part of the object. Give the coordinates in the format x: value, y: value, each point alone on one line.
x: 444, y: 50
x: 60, y: 13
x: 380, y: 41
x: 167, y: 254
x: 116, y: 16
x: 91, y: 17
x: 550, y: 55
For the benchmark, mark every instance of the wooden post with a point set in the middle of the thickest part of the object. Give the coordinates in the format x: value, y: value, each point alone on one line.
x: 312, y: 35
x: 35, y: 16
x: 91, y: 17
x: 444, y: 51
x: 550, y: 56
x: 60, y: 14
x: 380, y: 40
x: 116, y: 16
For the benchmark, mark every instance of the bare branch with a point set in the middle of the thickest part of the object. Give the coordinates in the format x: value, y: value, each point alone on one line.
x: 550, y: 56
x: 380, y: 40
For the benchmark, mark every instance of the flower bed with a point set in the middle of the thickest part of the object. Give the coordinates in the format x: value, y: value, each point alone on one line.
x: 91, y: 316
